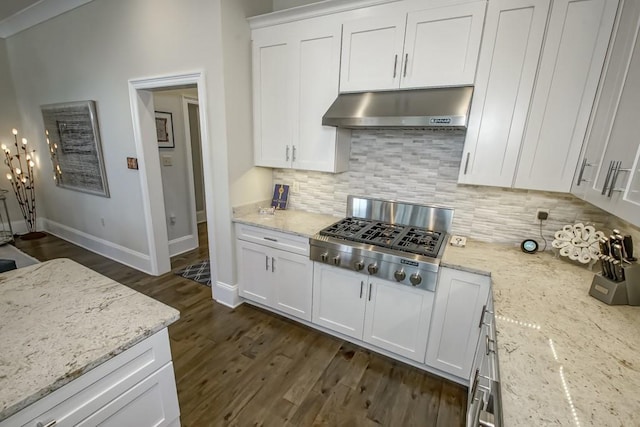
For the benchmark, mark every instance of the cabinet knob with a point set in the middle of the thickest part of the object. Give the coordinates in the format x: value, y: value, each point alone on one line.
x: 415, y: 279
x: 372, y: 268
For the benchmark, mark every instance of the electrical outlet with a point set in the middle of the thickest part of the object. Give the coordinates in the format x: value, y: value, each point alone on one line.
x: 296, y: 186
x: 541, y: 215
x: 458, y: 241
x: 172, y: 219
x: 102, y: 221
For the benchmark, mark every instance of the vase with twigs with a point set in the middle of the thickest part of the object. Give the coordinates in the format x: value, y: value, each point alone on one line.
x: 22, y: 181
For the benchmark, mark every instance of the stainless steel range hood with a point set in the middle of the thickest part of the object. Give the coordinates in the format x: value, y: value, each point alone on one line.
x: 435, y: 108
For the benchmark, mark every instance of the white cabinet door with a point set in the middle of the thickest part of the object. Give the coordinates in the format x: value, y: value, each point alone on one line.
x: 619, y: 171
x: 339, y: 298
x: 317, y: 58
x: 292, y: 284
x: 272, y: 98
x: 442, y: 45
x: 570, y: 68
x: 455, y: 324
x: 372, y: 53
x: 254, y: 272
x: 397, y: 318
x: 511, y: 46
x: 151, y: 402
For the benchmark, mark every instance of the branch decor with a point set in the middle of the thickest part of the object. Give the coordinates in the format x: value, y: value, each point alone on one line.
x: 22, y: 181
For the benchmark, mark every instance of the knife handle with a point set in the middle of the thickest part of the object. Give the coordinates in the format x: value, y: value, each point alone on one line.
x: 627, y: 242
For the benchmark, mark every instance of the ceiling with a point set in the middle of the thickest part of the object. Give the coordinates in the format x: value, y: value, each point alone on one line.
x: 11, y: 7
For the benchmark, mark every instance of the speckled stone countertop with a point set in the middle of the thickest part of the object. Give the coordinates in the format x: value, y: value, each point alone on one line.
x: 59, y: 319
x: 301, y: 223
x: 565, y: 358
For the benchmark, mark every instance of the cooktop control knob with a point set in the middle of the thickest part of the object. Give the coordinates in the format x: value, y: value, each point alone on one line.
x: 373, y: 268
x: 415, y: 279
x: 336, y: 260
x: 358, y: 265
x: 400, y: 275
x: 324, y: 256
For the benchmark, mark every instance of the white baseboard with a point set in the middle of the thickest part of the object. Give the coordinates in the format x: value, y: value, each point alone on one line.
x: 111, y: 250
x: 18, y: 226
x: 182, y: 244
x: 227, y: 294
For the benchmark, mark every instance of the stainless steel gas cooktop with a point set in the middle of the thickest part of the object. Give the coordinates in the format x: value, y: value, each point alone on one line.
x: 391, y: 240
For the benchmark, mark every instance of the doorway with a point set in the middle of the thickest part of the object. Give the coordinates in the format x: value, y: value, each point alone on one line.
x: 141, y: 93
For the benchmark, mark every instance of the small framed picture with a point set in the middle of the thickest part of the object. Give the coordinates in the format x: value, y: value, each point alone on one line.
x: 164, y: 129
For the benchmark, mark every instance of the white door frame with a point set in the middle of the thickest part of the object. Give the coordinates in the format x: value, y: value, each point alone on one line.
x: 144, y: 133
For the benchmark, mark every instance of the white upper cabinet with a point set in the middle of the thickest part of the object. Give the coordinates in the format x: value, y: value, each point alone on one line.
x: 371, y: 52
x: 513, y: 35
x: 537, y: 79
x: 573, y: 57
x: 611, y: 173
x: 295, y: 80
x: 423, y: 48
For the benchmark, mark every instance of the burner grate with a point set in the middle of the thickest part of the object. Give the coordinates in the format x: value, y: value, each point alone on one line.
x: 402, y: 238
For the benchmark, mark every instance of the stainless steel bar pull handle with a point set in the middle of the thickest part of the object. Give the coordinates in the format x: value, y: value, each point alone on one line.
x: 395, y: 66
x: 466, y: 163
x: 584, y: 163
x: 488, y: 342
x: 369, y: 291
x: 406, y: 60
x: 614, y: 177
x: 271, y: 239
x: 606, y: 179
x: 266, y: 262
x: 49, y: 424
x: 484, y: 309
x: 273, y: 264
x: 287, y: 153
x: 361, y: 287
x: 293, y: 155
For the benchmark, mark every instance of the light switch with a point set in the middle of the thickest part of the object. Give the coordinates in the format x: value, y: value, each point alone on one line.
x: 167, y: 160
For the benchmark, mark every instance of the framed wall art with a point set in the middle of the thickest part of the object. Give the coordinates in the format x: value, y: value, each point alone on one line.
x: 164, y: 129
x: 74, y: 144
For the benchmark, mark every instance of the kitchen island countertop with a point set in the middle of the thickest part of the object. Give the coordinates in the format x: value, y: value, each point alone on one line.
x: 300, y: 223
x: 58, y: 320
x: 565, y: 357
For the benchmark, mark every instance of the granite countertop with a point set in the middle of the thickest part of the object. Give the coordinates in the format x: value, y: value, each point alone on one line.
x: 565, y: 357
x: 58, y: 320
x: 301, y: 223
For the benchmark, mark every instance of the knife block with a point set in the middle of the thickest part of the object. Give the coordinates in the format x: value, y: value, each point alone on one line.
x: 618, y: 293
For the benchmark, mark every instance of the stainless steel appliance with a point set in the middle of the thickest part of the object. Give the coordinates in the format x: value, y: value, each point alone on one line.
x: 433, y: 108
x: 396, y: 241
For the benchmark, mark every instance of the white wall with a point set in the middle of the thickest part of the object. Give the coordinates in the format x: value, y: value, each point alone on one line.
x: 90, y: 53
x: 9, y: 119
x: 175, y: 178
x: 248, y: 183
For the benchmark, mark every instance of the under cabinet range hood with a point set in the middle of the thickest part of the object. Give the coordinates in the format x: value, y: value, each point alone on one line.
x: 436, y: 108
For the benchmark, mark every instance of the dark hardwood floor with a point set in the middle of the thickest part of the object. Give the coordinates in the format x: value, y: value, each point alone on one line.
x: 248, y: 367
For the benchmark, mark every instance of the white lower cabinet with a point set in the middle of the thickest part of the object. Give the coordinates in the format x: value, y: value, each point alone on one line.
x: 135, y: 388
x: 274, y: 277
x: 460, y: 303
x: 388, y: 315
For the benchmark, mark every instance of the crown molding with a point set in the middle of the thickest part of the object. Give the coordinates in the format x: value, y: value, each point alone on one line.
x: 36, y: 14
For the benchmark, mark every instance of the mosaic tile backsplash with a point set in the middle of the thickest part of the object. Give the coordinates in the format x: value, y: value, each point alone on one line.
x: 422, y: 167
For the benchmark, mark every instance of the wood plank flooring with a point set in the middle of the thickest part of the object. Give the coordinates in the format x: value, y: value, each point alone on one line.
x: 248, y: 367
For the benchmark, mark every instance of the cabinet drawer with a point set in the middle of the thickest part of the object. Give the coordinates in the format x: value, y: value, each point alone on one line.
x: 273, y: 239
x: 151, y: 402
x: 90, y: 392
